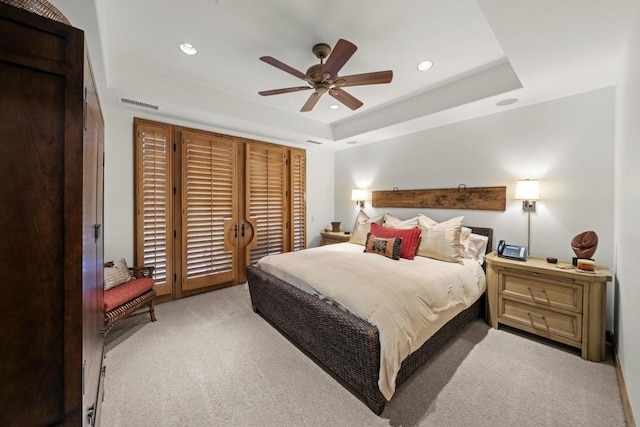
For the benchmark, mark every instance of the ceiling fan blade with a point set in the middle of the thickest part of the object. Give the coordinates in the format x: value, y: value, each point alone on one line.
x: 377, y: 77
x: 285, y: 90
x: 338, y: 57
x: 347, y: 99
x: 284, y: 67
x: 311, y: 102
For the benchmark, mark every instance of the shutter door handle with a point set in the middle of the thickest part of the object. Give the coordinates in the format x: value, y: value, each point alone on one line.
x: 96, y: 231
x: 91, y: 414
x: 235, y: 229
x: 242, y: 229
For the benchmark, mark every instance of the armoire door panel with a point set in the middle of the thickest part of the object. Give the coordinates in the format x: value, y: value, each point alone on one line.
x: 92, y: 246
x: 32, y: 160
x: 209, y: 206
x: 154, y: 207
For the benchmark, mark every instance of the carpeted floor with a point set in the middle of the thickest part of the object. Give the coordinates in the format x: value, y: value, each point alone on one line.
x: 210, y: 361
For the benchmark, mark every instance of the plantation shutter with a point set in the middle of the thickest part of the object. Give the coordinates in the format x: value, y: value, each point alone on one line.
x: 154, y: 217
x: 207, y: 205
x: 266, y: 198
x: 298, y: 191
x: 209, y: 209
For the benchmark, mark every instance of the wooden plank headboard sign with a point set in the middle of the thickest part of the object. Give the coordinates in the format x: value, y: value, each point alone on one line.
x: 463, y: 197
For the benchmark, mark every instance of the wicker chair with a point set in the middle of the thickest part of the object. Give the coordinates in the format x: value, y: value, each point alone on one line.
x: 131, y: 298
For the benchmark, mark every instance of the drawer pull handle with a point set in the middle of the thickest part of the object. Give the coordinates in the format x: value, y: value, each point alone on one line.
x: 535, y: 315
x: 532, y: 289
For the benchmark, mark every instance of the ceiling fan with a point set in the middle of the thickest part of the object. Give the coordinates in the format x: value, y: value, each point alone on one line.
x: 323, y: 77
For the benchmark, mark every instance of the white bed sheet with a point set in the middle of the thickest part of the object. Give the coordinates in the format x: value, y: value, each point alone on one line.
x: 407, y: 300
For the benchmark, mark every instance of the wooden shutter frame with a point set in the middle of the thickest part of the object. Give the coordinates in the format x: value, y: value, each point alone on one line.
x: 140, y: 125
x: 295, y: 181
x: 272, y: 151
x: 229, y: 242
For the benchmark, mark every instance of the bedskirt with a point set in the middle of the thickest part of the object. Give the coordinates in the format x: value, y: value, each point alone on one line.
x: 345, y: 344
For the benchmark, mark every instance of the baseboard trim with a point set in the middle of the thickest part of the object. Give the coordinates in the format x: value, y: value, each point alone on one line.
x: 626, y: 405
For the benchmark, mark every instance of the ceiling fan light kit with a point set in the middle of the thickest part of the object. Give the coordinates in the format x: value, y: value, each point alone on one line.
x: 323, y: 77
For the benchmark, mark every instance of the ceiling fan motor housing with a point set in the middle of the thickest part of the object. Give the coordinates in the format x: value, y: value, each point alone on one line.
x: 314, y: 73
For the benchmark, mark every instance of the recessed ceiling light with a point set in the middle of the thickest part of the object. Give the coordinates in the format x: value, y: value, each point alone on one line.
x: 507, y: 101
x: 352, y: 142
x: 425, y: 65
x: 334, y: 106
x: 188, y: 49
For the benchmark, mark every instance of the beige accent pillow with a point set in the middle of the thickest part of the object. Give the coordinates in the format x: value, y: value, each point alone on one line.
x: 393, y: 222
x: 442, y: 241
x: 116, y: 275
x: 362, y: 226
x: 424, y: 221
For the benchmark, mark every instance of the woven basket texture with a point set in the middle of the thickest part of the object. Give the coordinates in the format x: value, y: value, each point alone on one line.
x: 348, y: 346
x: 39, y: 7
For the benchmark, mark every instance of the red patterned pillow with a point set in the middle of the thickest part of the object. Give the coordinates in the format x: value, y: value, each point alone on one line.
x: 387, y: 247
x: 410, y: 238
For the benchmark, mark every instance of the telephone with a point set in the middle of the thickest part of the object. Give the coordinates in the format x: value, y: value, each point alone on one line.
x: 512, y: 251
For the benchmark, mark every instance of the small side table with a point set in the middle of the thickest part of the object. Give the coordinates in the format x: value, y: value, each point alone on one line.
x: 555, y: 301
x: 331, y: 237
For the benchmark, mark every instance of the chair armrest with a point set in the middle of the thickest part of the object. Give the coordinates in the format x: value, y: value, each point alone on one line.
x: 140, y: 272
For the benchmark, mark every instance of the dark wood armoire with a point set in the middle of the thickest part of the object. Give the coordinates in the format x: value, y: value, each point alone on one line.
x: 51, y: 247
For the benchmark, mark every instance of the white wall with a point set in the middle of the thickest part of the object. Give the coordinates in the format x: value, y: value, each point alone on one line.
x: 627, y: 208
x: 119, y: 185
x: 567, y: 144
x: 320, y: 184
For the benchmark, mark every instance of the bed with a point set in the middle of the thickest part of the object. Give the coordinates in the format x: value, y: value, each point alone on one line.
x: 347, y: 345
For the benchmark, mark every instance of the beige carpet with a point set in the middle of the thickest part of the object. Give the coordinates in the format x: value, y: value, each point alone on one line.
x: 210, y: 361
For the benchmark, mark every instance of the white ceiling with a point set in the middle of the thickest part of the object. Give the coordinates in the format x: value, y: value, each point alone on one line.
x: 484, y: 51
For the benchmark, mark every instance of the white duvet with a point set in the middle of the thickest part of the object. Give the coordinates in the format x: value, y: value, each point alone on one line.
x: 407, y: 300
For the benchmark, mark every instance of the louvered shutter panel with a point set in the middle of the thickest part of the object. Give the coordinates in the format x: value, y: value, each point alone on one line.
x: 298, y: 192
x: 209, y: 209
x: 153, y: 203
x: 265, y: 198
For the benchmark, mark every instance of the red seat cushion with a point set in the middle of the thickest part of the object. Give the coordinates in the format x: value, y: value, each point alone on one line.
x: 410, y: 238
x: 121, y: 294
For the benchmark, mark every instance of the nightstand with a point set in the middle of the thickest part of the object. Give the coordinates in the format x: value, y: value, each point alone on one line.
x: 331, y: 237
x: 561, y: 304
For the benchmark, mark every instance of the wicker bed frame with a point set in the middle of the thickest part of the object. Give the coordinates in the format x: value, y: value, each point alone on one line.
x: 345, y: 344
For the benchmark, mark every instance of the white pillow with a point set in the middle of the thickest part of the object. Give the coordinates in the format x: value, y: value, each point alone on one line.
x: 442, y: 241
x: 362, y: 226
x: 116, y: 275
x: 393, y: 222
x: 465, y: 232
x: 475, y: 247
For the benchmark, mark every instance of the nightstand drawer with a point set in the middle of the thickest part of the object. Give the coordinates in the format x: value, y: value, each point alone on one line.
x: 542, y: 321
x: 542, y: 290
x: 331, y: 237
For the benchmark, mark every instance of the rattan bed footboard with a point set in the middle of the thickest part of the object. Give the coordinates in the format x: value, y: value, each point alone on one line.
x: 347, y: 345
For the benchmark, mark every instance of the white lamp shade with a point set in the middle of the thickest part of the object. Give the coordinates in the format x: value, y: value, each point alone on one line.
x: 358, y: 194
x: 527, y: 190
